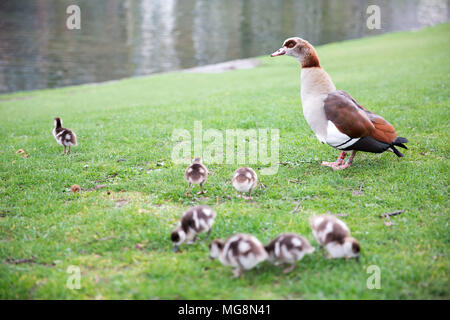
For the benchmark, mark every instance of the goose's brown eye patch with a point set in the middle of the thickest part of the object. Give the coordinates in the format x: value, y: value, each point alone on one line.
x: 290, y: 44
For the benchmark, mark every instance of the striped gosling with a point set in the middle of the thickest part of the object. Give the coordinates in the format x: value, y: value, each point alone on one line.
x: 334, y: 235
x: 194, y: 221
x: 240, y: 251
x: 196, y: 173
x: 288, y: 248
x: 245, y: 180
x: 64, y: 136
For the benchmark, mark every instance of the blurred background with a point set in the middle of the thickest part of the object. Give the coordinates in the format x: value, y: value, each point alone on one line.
x: 123, y: 38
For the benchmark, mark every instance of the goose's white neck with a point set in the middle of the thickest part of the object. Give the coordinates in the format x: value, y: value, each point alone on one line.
x: 316, y: 85
x: 315, y: 81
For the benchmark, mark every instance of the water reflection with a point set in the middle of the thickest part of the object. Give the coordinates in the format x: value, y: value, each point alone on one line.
x: 125, y: 38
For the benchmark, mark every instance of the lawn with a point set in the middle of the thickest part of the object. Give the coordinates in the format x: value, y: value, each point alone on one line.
x: 119, y: 235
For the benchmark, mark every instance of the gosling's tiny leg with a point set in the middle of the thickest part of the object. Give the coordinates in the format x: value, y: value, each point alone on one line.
x: 188, y: 192
x: 201, y: 189
x: 64, y: 152
x: 208, y: 234
x: 237, y: 272
x: 290, y: 268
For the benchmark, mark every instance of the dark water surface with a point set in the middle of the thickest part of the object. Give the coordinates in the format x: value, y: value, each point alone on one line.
x: 123, y: 38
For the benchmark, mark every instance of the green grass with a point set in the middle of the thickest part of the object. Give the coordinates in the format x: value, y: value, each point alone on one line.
x: 124, y: 252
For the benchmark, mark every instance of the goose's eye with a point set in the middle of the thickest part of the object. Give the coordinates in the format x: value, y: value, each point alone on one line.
x: 290, y: 44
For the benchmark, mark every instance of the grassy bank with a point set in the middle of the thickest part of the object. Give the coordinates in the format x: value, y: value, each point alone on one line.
x: 124, y: 130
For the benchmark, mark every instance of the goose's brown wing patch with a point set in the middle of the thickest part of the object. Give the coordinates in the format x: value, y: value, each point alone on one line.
x: 384, y: 131
x: 347, y: 116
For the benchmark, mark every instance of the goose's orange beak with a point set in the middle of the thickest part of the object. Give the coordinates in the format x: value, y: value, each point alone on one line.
x: 279, y: 52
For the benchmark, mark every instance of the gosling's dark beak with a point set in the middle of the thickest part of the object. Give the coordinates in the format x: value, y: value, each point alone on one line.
x: 211, y: 258
x: 357, y: 259
x: 175, y: 248
x: 279, y: 52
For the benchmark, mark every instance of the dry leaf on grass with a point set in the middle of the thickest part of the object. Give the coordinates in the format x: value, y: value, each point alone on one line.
x: 75, y: 188
x: 121, y: 203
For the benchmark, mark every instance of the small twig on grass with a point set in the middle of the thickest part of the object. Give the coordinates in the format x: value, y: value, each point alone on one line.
x: 99, y: 186
x: 359, y: 192
x: 389, y: 214
x: 28, y: 261
x: 342, y: 214
x: 297, y: 208
x: 111, y: 176
x: 19, y: 261
x: 101, y: 239
x: 296, y: 163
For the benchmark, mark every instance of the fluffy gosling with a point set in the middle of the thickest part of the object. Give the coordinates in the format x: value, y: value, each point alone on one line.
x: 288, y: 248
x: 64, y: 136
x: 245, y: 180
x: 334, y: 235
x: 240, y: 251
x: 196, y: 173
x: 194, y: 221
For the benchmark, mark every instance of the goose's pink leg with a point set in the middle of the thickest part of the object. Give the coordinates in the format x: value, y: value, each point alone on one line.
x: 347, y: 164
x: 338, y: 162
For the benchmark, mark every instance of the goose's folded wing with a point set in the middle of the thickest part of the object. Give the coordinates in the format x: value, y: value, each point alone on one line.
x: 347, y: 116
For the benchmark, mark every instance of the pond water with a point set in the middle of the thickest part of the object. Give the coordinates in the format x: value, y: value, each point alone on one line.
x: 123, y: 38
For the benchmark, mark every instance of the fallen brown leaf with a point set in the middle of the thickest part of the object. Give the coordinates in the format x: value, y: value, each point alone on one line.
x: 121, y: 203
x: 75, y: 188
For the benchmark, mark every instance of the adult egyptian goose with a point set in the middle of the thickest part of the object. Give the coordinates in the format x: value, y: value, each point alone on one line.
x: 64, y: 136
x: 196, y: 173
x: 194, y: 221
x: 240, y: 251
x: 334, y: 116
x: 334, y: 235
